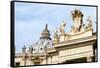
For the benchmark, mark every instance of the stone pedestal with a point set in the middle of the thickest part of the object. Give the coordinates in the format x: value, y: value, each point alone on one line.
x: 62, y: 37
x: 55, y: 40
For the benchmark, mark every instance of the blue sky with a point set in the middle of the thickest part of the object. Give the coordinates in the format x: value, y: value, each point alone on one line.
x: 31, y: 18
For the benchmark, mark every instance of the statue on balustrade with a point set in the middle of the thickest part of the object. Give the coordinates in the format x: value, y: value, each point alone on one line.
x: 56, y: 34
x: 77, y: 17
x: 62, y: 28
x: 89, y: 25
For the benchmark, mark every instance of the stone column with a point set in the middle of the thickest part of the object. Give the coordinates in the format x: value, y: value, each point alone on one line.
x: 51, y: 59
x: 96, y: 58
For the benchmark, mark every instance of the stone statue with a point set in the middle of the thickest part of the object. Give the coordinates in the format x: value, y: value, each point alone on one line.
x: 24, y: 49
x: 56, y: 33
x: 56, y: 36
x: 89, y: 26
x: 62, y: 27
x: 73, y: 29
x: 30, y: 49
x: 77, y: 17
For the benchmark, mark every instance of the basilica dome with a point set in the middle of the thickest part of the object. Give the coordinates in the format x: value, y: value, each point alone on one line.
x: 44, y: 42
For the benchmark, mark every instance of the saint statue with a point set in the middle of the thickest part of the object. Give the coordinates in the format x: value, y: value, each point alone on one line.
x: 77, y: 17
x: 89, y: 26
x: 30, y: 49
x: 62, y: 27
x: 56, y: 33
